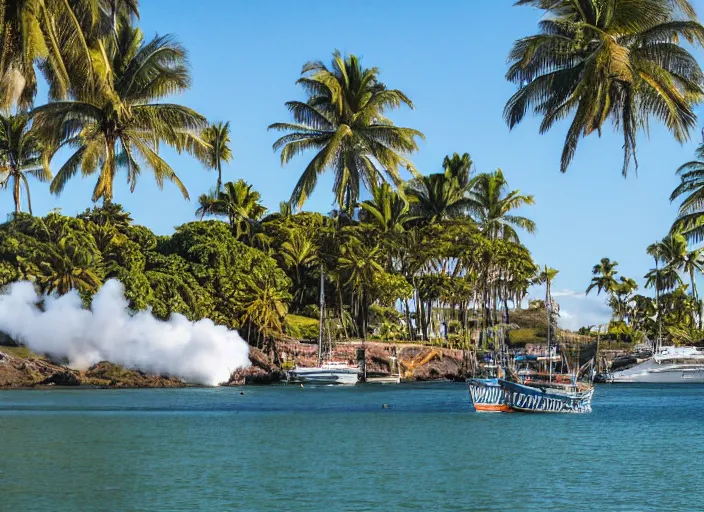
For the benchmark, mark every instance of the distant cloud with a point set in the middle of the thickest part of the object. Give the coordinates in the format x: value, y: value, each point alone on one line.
x: 578, y: 310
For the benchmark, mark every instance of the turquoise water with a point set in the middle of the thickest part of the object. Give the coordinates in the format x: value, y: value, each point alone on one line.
x: 330, y: 449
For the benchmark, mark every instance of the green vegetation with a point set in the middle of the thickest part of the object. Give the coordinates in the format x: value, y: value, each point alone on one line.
x: 20, y: 352
x: 301, y: 327
x: 437, y: 253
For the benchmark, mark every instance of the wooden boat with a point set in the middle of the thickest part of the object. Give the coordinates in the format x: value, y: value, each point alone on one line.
x: 487, y: 395
x: 485, y: 392
x: 551, y: 397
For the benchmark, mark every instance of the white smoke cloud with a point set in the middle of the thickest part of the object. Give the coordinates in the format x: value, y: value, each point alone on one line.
x: 199, y: 352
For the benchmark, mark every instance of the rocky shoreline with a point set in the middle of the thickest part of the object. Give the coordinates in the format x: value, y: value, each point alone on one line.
x: 417, y: 362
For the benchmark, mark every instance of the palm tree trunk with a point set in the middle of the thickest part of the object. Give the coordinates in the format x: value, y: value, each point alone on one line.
x: 29, y: 198
x: 695, y: 295
x: 219, y: 184
x: 16, y: 193
x: 420, y: 314
x: 364, y: 314
x: 341, y: 309
x: 408, y: 319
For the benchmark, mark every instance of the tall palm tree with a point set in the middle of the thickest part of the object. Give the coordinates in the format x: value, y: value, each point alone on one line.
x: 491, y: 206
x: 604, y: 278
x: 217, y: 151
x: 655, y: 250
x: 344, y: 121
x: 608, y: 60
x: 669, y: 252
x: 114, y: 123
x: 359, y: 261
x: 673, y: 252
x: 621, y: 296
x: 20, y: 155
x: 239, y: 202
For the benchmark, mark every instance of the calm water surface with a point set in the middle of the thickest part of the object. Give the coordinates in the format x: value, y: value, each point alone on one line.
x: 329, y: 449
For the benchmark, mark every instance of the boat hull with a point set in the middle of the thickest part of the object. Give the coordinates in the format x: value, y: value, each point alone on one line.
x: 487, y: 396
x: 650, y: 372
x: 522, y: 398
x: 346, y: 377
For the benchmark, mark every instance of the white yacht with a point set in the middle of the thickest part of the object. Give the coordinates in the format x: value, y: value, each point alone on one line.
x: 332, y: 372
x: 669, y: 365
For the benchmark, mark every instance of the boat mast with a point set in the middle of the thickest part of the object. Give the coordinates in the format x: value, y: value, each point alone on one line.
x: 549, y: 346
x: 658, y: 342
x: 322, y: 310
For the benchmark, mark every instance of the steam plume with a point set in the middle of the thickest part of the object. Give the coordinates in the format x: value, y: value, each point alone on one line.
x: 200, y: 352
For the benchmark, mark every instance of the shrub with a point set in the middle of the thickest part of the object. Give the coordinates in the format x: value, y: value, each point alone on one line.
x: 301, y: 327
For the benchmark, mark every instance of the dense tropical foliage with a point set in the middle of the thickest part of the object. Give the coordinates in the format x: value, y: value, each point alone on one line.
x: 434, y: 256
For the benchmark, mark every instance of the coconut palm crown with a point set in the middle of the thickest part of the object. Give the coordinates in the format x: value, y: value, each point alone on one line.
x: 596, y: 61
x: 114, y: 123
x: 344, y: 122
x: 20, y: 156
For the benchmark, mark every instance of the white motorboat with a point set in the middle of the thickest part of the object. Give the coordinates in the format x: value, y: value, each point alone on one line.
x: 332, y: 372
x: 670, y: 365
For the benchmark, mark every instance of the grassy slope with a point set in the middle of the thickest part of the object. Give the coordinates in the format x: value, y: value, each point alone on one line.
x: 301, y: 327
x: 533, y: 326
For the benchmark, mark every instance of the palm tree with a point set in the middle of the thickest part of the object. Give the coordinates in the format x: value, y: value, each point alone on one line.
x: 673, y: 252
x: 690, y: 218
x: 238, y: 202
x: 442, y: 196
x: 604, y: 278
x: 359, y: 262
x: 458, y: 167
x: 621, y: 296
x: 491, y: 207
x: 67, y: 266
x: 217, y: 151
x: 387, y: 211
x: 546, y: 276
x: 20, y: 155
x: 663, y: 279
x: 112, y: 125
x: 266, y: 307
x: 655, y: 250
x: 298, y: 253
x: 608, y: 60
x: 343, y: 120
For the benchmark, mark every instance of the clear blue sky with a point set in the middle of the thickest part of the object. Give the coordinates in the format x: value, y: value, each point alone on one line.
x: 449, y: 57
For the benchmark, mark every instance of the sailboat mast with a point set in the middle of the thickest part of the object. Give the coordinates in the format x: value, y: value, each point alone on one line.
x: 548, y: 308
x: 322, y: 311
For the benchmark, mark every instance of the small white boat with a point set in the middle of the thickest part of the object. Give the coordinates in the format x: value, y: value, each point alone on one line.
x: 670, y: 365
x: 385, y: 379
x: 332, y: 372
